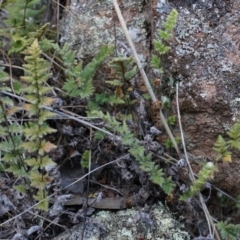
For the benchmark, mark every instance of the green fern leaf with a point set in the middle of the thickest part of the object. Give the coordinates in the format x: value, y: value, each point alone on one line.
x: 16, y: 170
x: 115, y: 82
x: 33, y: 131
x: 155, y: 62
x: 11, y: 157
x: 38, y: 180
x: 234, y: 143
x: 20, y: 188
x: 165, y: 35
x: 229, y: 231
x: 221, y: 148
x: 130, y: 74
x: 234, y: 131
x: 31, y: 147
x: 39, y: 163
x: 42, y: 205
x: 3, y: 75
x: 168, y: 185
x: 115, y: 100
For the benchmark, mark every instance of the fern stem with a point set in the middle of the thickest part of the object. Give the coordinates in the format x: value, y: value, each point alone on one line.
x: 144, y: 76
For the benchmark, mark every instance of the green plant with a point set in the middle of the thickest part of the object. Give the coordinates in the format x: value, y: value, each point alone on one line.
x: 11, y: 133
x: 85, y: 159
x: 224, y: 148
x: 206, y: 173
x: 155, y: 174
x: 168, y: 142
x: 171, y: 120
x: 35, y: 131
x: 221, y: 148
x: 164, y: 36
x: 79, y: 80
x: 229, y: 231
x: 234, y: 134
x: 23, y: 22
x: 29, y: 140
x: 124, y: 72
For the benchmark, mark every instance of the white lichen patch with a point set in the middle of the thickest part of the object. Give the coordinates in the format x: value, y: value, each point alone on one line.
x: 92, y: 24
x: 129, y: 224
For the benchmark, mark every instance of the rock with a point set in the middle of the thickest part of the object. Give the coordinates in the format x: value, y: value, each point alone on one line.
x: 147, y: 223
x: 205, y: 56
x: 93, y: 24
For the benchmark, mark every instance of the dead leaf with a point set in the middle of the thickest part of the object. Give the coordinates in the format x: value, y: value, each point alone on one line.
x: 48, y: 147
x: 227, y: 158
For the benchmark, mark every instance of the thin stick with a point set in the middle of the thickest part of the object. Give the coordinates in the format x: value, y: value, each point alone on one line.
x: 210, y: 222
x: 144, y: 76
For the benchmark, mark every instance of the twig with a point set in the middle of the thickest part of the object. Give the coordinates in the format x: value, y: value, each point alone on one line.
x: 211, y: 224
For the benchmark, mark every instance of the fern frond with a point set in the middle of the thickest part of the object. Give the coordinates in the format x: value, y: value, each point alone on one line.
x: 221, y: 148
x: 38, y: 180
x: 160, y: 47
x: 43, y: 204
x: 3, y: 75
x: 79, y: 80
x: 229, y: 231
x: 41, y: 163
x: 155, y: 62
x: 234, y: 134
x: 33, y: 131
x: 16, y: 170
x: 206, y: 173
x: 121, y: 65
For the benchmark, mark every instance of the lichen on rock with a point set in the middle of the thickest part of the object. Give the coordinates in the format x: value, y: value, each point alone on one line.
x: 91, y: 24
x: 147, y: 223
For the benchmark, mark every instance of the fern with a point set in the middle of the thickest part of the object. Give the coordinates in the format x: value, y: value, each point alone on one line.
x: 168, y: 142
x: 79, y: 79
x: 171, y: 120
x: 24, y: 15
x: 23, y: 22
x: 234, y: 134
x: 123, y: 69
x: 85, y: 159
x: 229, y: 231
x: 206, y: 173
x: 156, y: 175
x: 221, y: 147
x: 11, y: 134
x: 164, y: 35
x: 34, y: 132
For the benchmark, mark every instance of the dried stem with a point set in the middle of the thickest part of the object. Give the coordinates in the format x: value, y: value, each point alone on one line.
x: 211, y: 225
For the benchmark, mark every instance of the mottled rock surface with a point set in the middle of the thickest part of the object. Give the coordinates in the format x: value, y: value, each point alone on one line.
x: 205, y: 57
x: 92, y: 24
x: 148, y: 223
